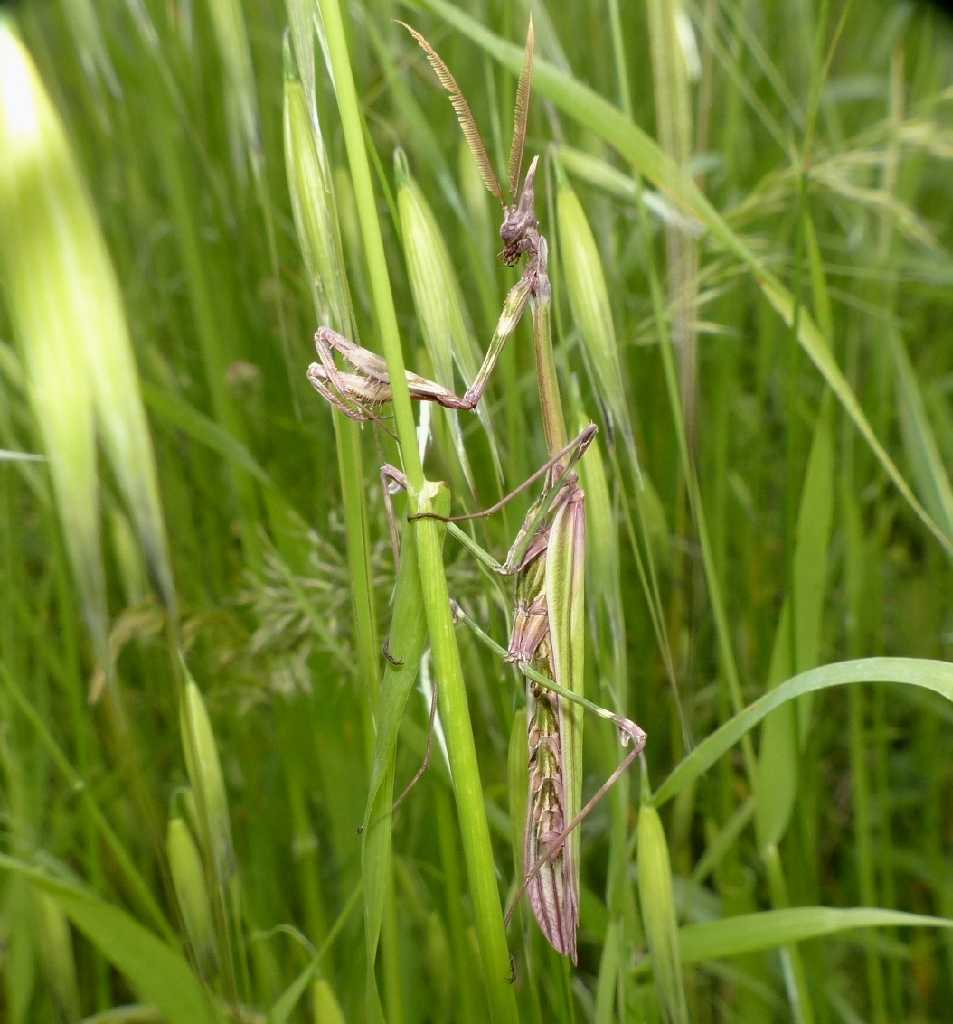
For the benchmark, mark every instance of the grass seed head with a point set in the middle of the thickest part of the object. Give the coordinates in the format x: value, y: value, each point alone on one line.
x: 589, y: 301
x: 311, y: 187
x: 438, y: 299
x: 658, y: 914
x: 68, y: 317
x: 205, y: 774
x: 188, y: 881
x: 55, y: 950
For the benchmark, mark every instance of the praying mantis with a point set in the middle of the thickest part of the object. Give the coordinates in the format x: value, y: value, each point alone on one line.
x: 547, y: 557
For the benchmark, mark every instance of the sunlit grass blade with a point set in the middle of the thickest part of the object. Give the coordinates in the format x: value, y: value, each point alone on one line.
x: 601, y: 174
x: 73, y: 325
x: 39, y: 193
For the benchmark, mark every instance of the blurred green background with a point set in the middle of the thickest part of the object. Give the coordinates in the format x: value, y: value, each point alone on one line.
x: 770, y: 496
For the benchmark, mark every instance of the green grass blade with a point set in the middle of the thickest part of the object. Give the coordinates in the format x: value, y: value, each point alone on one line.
x: 159, y: 974
x: 797, y: 643
x: 751, y: 933
x: 454, y: 710
x: 406, y: 640
x: 657, y: 901
x: 929, y: 675
x: 920, y: 439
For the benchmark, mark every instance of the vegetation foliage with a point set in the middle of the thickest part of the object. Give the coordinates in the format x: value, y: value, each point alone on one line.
x: 216, y: 679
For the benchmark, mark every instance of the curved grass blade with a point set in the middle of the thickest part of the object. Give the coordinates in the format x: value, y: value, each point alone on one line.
x: 159, y: 974
x: 752, y: 933
x: 921, y: 672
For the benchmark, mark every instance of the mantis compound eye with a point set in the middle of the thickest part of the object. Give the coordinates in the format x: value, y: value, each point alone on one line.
x: 512, y: 226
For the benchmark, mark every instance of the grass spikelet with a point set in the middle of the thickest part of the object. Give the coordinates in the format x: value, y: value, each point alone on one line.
x: 188, y: 881
x: 55, y: 953
x: 327, y: 1009
x: 208, y: 785
x: 214, y: 832
x: 68, y: 316
x: 311, y: 188
x: 69, y: 280
x: 37, y: 281
x: 658, y: 914
x: 589, y: 301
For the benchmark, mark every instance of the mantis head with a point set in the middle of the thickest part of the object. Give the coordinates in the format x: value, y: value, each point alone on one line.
x: 519, y: 220
x: 519, y: 229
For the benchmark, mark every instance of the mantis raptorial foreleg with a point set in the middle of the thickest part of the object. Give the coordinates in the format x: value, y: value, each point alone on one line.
x: 360, y: 393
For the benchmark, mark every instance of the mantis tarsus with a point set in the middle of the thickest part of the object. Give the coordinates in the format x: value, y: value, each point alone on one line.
x: 547, y: 556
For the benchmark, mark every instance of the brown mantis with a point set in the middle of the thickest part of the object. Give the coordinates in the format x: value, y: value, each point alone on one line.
x: 546, y: 558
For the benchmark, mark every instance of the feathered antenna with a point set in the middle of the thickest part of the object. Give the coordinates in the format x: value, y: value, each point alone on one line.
x: 464, y: 114
x: 521, y: 114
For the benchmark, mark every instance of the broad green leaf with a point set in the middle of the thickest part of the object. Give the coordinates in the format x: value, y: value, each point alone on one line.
x: 929, y: 675
x: 159, y: 974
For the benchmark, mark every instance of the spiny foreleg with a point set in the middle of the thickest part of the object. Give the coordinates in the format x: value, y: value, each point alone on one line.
x: 360, y: 391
